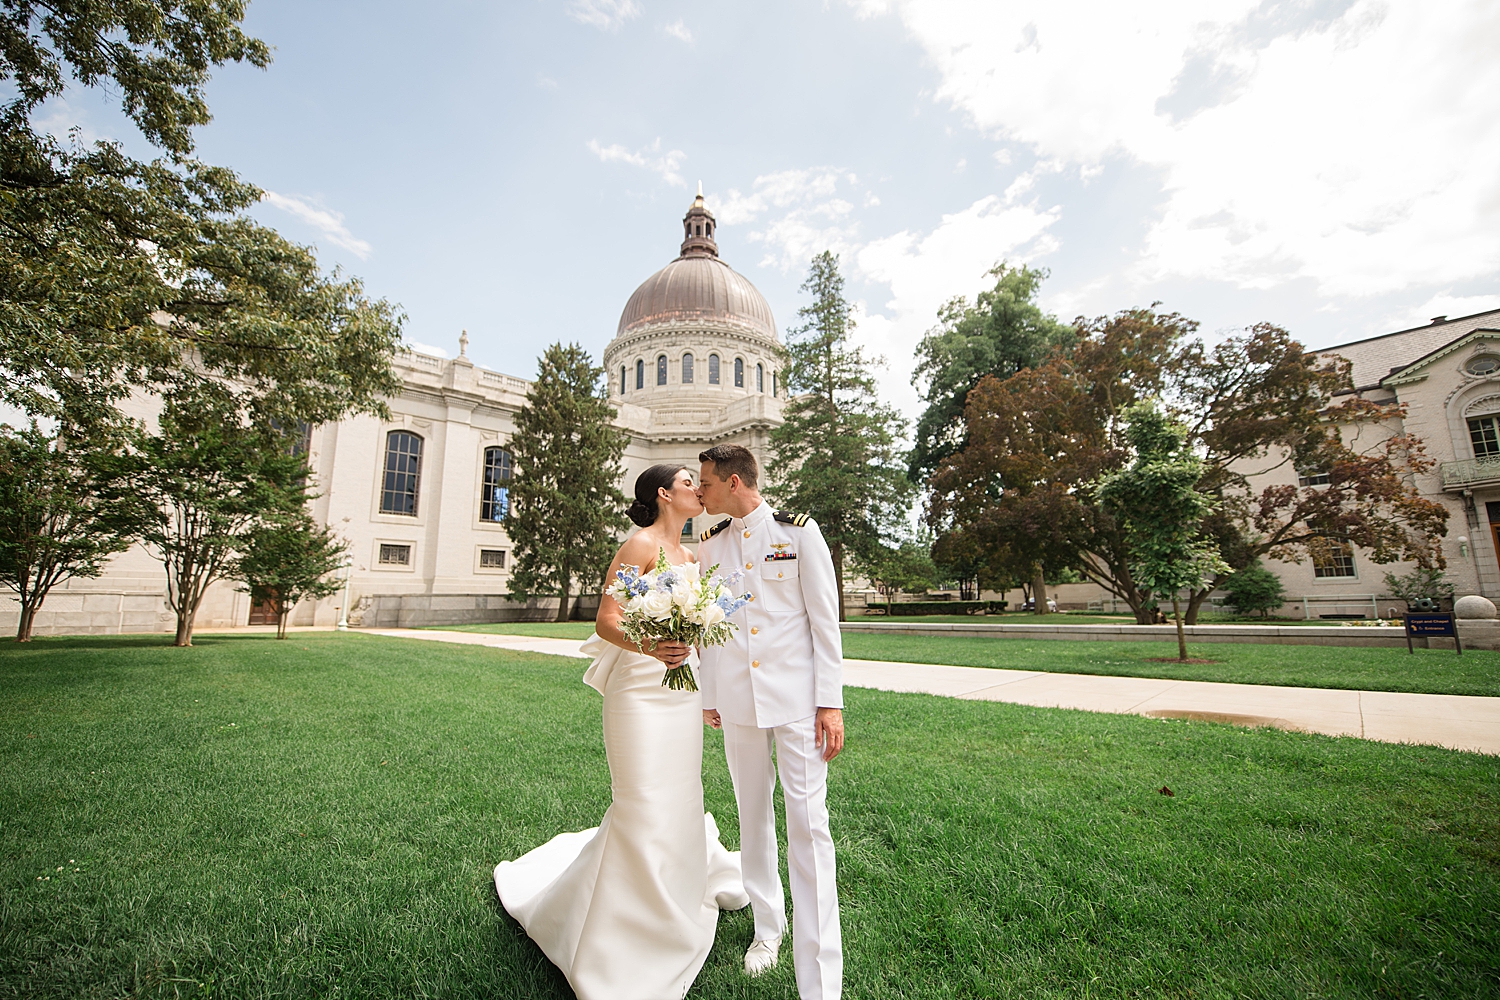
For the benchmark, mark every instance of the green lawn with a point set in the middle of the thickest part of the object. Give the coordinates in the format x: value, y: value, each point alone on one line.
x: 1430, y: 671
x: 318, y: 817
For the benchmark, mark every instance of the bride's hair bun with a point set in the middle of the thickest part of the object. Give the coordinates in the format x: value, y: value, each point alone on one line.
x: 641, y: 514
x: 643, y: 510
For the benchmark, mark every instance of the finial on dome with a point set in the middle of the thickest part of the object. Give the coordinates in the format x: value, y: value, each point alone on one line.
x: 698, y: 229
x: 463, y: 343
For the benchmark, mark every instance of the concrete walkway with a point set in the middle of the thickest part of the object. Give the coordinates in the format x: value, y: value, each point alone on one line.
x: 1457, y: 721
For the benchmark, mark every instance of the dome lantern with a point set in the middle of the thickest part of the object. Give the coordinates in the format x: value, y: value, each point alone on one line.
x: 698, y: 230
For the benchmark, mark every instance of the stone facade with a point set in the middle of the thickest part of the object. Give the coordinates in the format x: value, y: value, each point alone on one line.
x: 444, y: 562
x: 1445, y: 375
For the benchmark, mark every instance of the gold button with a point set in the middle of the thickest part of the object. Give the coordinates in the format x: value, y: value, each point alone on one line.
x: 749, y: 565
x: 780, y: 575
x: 754, y: 630
x: 755, y: 663
x: 747, y: 533
x: 750, y: 597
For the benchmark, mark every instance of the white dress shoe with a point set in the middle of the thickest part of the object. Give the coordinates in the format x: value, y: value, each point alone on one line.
x: 762, y: 955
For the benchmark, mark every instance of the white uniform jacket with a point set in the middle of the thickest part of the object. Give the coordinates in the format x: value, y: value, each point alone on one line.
x: 786, y: 660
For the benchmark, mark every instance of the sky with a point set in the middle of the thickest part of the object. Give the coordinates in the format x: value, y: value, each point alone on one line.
x: 517, y: 169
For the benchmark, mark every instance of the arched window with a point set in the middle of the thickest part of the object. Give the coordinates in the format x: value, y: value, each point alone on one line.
x: 687, y: 369
x: 622, y: 380
x: 661, y: 369
x: 713, y: 369
x: 760, y: 378
x: 773, y: 383
x: 403, y: 467
x: 494, y: 495
x: 640, y: 374
x: 739, y: 373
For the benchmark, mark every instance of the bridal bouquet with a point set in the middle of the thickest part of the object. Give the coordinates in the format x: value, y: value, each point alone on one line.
x: 676, y: 604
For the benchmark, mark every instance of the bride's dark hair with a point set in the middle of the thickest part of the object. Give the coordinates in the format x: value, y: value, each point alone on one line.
x: 643, y: 510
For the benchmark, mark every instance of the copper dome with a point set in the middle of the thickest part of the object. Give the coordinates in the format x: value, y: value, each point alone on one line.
x: 698, y: 287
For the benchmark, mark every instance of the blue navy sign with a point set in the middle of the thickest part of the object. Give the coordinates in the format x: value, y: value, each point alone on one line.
x: 1432, y: 626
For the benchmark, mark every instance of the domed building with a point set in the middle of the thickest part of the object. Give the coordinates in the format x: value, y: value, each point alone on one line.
x: 694, y: 357
x: 421, y: 494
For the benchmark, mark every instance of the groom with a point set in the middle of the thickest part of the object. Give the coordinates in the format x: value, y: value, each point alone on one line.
x: 778, y: 681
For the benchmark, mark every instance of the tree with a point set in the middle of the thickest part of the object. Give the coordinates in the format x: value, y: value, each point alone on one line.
x: 906, y: 567
x: 288, y: 558
x: 213, y: 480
x: 565, y: 507
x: 1018, y: 498
x: 1001, y: 333
x: 835, y: 456
x: 1258, y: 403
x: 1427, y: 582
x: 119, y: 275
x: 65, y: 508
x: 1158, y: 502
x: 1254, y: 588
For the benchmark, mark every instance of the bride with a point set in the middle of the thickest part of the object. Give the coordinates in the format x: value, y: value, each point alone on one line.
x: 629, y: 909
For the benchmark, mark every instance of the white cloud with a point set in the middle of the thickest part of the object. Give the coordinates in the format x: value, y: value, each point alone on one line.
x: 1351, y: 144
x: 325, y: 220
x: 419, y: 348
x: 679, y: 31
x: 1442, y: 304
x: 808, y: 215
x: 606, y: 15
x: 666, y: 165
x: 925, y: 271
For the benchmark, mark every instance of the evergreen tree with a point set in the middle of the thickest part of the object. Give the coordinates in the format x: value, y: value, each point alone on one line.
x: 565, y: 507
x: 66, y: 506
x: 836, y: 455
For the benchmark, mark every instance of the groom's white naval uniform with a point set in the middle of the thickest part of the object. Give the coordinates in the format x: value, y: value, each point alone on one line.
x: 784, y: 663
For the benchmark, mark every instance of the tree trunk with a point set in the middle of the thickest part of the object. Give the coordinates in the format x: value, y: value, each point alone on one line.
x: 184, y: 628
x: 1181, y: 637
x: 1039, y: 588
x: 1195, y: 601
x: 28, y: 615
x: 837, y: 551
x: 282, y: 614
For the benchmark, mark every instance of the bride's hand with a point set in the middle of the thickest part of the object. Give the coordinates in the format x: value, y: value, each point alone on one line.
x: 670, y: 653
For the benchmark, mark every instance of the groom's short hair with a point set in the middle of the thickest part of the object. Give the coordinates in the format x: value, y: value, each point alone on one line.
x: 732, y: 460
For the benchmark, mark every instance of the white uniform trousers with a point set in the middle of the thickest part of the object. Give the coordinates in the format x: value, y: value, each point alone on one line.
x: 817, y: 944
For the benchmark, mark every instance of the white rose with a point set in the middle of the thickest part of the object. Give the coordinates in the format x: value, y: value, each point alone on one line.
x: 657, y: 604
x: 693, y: 614
x: 712, y: 615
x: 633, y: 606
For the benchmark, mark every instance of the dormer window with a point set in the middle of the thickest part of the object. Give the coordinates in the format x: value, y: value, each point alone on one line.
x: 1484, y: 364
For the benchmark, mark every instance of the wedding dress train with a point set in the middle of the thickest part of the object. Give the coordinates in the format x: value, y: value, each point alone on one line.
x: 629, y: 908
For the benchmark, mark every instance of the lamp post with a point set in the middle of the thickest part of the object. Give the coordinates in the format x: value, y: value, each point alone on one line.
x: 343, y: 625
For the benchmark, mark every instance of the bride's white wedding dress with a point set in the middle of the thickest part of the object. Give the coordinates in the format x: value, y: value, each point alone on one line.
x: 629, y: 908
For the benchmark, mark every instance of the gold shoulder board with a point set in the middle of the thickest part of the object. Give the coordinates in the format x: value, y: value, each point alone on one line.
x: 711, y: 532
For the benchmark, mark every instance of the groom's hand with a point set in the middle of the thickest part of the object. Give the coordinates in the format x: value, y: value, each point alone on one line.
x: 711, y: 718
x: 670, y: 653
x: 828, y: 730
